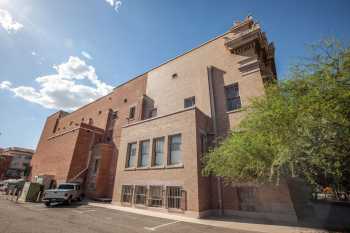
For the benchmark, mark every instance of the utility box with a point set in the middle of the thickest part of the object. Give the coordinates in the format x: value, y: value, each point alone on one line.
x: 30, y: 192
x: 45, y: 180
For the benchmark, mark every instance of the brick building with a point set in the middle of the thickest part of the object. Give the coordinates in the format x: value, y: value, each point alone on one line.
x: 142, y: 144
x: 15, y: 162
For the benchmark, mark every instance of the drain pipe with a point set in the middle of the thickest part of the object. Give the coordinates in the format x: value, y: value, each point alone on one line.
x: 210, y: 70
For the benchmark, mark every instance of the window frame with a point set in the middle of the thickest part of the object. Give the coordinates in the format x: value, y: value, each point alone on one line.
x: 190, y: 102
x: 129, y: 195
x: 236, y: 98
x: 141, y: 195
x: 155, y: 152
x: 153, y: 199
x: 170, y: 151
x: 132, y: 112
x: 141, y: 153
x: 173, y: 200
x: 128, y: 155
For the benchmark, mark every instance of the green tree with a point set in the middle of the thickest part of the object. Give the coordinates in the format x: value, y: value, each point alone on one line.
x: 301, y: 127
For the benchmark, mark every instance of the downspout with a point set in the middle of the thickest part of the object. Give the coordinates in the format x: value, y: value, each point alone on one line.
x: 210, y: 70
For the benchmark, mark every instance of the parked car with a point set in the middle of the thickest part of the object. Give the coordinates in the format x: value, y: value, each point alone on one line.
x: 65, y: 193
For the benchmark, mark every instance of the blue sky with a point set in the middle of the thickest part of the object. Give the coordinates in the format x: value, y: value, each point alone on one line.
x: 60, y: 54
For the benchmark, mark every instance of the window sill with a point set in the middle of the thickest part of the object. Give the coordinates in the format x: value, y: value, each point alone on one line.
x: 142, y: 168
x: 157, y: 167
x: 236, y: 110
x: 130, y: 169
x: 180, y: 165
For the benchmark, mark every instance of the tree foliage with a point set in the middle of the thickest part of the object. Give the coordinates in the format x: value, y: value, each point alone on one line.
x: 301, y: 127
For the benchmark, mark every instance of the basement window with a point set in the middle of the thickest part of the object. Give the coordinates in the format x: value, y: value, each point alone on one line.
x: 156, y: 196
x: 140, y: 195
x: 173, y: 197
x: 127, y: 193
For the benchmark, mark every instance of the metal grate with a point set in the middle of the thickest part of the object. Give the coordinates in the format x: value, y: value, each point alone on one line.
x: 174, y: 197
x: 155, y: 196
x: 140, y: 195
x: 127, y: 193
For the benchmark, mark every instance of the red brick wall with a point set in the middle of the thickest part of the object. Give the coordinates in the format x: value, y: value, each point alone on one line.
x: 5, y: 162
x: 64, y: 153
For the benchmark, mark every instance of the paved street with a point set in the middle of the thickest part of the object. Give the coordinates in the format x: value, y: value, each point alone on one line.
x: 36, y: 218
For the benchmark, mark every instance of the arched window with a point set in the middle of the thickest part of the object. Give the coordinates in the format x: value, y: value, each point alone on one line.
x: 91, y: 121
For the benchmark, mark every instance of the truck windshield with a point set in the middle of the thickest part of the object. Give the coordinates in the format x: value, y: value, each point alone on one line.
x: 66, y: 186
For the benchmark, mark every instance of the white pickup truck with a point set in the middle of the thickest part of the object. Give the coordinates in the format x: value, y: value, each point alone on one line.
x: 65, y: 193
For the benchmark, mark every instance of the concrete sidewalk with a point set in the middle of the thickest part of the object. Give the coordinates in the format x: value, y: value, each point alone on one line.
x: 265, y: 228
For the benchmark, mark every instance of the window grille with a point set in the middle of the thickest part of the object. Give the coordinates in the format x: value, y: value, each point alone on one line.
x: 155, y: 196
x: 233, y: 100
x: 140, y: 195
x: 127, y: 193
x: 174, y: 197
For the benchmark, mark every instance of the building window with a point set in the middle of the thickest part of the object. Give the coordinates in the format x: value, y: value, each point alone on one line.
x: 140, y: 195
x: 97, y: 162
x: 153, y: 113
x: 189, y: 102
x: 204, y: 144
x: 131, y: 157
x: 156, y: 196
x: 127, y: 192
x: 233, y: 100
x: 132, y: 113
x: 91, y: 121
x: 115, y: 115
x: 158, y: 145
x: 174, y: 76
x: 99, y: 112
x: 175, y: 149
x: 144, y: 152
x: 173, y: 197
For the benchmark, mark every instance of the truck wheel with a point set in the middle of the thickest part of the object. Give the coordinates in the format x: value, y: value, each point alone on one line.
x: 69, y: 201
x: 48, y: 204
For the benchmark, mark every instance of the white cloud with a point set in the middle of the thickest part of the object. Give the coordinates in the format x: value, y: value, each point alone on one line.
x: 63, y: 90
x: 116, y: 4
x: 8, y: 23
x: 34, y: 53
x: 86, y: 55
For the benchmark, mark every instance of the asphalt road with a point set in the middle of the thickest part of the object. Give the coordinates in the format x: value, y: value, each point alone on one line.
x: 36, y: 218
